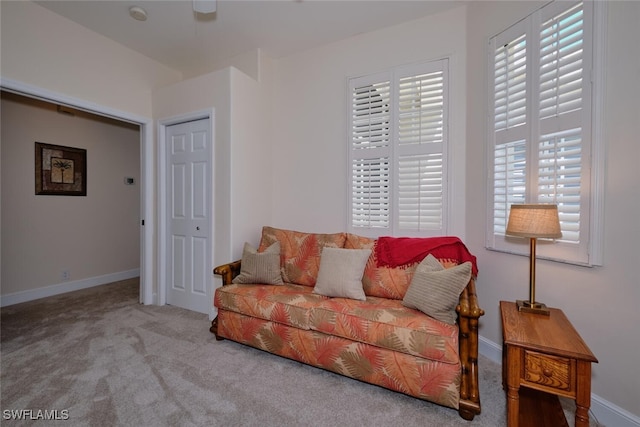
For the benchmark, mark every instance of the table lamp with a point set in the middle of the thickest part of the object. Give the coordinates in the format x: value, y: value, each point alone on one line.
x: 533, y: 221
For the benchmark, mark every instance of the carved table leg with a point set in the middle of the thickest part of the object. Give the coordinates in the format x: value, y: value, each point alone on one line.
x: 513, y: 385
x: 583, y: 394
x: 513, y: 406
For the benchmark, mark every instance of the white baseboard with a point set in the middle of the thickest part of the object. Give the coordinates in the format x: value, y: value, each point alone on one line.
x: 61, y: 288
x: 606, y: 413
x: 490, y: 349
x: 610, y: 415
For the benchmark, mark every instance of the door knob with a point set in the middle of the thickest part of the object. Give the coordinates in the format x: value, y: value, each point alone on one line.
x: 197, y: 228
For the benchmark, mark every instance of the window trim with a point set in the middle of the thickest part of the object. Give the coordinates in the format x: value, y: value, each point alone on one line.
x: 595, y: 214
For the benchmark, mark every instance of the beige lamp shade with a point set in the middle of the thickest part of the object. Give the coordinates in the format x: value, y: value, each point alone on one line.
x: 535, y: 220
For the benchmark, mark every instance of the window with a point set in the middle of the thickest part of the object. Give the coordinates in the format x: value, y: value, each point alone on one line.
x: 542, y: 131
x: 398, y: 151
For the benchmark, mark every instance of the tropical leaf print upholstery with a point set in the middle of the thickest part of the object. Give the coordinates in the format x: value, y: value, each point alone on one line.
x: 377, y: 321
x: 300, y: 252
x: 287, y: 304
x: 384, y: 282
x: 388, y: 324
x: 419, y: 377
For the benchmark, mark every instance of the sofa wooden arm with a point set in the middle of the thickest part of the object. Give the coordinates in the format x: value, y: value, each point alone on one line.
x: 228, y: 271
x: 468, y: 314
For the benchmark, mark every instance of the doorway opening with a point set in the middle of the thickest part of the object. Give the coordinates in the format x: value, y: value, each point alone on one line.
x: 146, y: 170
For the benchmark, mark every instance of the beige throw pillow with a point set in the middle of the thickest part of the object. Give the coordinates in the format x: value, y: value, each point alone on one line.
x: 340, y: 273
x: 260, y: 267
x: 435, y: 290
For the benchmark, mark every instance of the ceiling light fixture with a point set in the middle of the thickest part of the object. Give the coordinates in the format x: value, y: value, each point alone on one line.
x: 138, y: 13
x: 204, y: 6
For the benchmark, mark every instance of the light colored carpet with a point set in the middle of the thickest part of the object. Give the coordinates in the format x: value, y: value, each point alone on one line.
x: 110, y: 361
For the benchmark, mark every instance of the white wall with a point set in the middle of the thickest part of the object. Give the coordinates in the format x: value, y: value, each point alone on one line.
x: 43, y: 49
x: 90, y: 236
x: 251, y: 158
x: 310, y: 131
x: 249, y: 63
x: 601, y: 302
x: 242, y: 159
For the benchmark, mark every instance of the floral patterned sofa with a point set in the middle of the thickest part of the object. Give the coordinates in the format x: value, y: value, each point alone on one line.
x: 288, y: 297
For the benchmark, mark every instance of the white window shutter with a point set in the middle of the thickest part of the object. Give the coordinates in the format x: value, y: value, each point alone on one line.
x: 561, y: 67
x: 560, y: 178
x: 370, y: 116
x: 541, y: 126
x: 510, y: 78
x: 370, y: 152
x: 509, y: 103
x: 398, y: 126
x: 561, y: 175
x: 420, y: 161
x: 509, y: 179
x: 370, y: 198
x: 420, y: 192
x: 421, y: 109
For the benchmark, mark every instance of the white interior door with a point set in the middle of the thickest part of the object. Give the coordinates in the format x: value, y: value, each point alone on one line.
x: 189, y: 235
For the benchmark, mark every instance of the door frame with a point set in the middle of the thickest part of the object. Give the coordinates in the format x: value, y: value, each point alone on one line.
x: 162, y: 192
x: 146, y: 167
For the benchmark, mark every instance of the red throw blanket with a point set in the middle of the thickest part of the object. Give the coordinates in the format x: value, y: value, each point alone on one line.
x: 399, y: 251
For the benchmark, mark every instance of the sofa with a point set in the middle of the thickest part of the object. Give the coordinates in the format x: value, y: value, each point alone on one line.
x: 401, y: 313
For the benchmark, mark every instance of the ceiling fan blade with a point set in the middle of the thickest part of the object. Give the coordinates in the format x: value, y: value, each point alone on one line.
x: 204, y: 6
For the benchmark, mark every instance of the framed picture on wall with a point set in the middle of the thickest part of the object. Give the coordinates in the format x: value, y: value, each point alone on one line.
x: 60, y: 171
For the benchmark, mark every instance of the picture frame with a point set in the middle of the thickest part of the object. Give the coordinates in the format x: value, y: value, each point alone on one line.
x: 60, y: 171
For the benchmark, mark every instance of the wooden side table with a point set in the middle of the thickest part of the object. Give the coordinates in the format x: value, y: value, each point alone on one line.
x: 547, y: 358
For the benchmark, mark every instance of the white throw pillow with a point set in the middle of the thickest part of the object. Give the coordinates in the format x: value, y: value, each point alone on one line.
x: 340, y: 273
x: 260, y: 267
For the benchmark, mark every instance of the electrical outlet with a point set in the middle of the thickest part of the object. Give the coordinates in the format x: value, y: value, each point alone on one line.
x: 66, y: 275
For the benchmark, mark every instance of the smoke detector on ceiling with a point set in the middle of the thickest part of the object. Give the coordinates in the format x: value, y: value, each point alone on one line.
x: 138, y: 13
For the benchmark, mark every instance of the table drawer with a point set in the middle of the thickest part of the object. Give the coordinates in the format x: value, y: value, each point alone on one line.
x: 550, y: 371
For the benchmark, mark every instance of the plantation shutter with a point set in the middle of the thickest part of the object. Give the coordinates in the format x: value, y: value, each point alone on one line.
x: 510, y: 75
x: 541, y: 101
x: 561, y: 71
x: 370, y: 148
x: 560, y: 148
x: 509, y: 123
x: 397, y: 150
x: 509, y: 181
x: 421, y: 136
x: 559, y: 178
